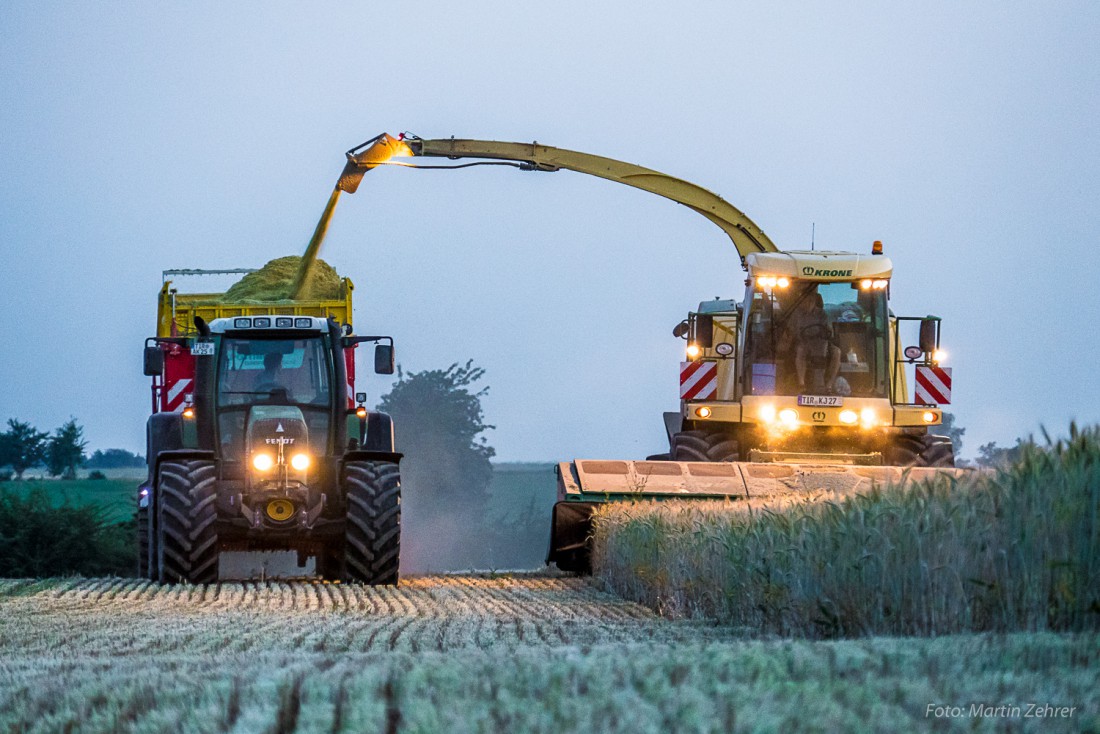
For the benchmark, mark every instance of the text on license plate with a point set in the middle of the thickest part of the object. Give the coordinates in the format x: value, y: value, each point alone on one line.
x: 821, y: 400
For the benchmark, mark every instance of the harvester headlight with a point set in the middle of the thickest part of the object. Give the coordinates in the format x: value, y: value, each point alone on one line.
x: 262, y: 462
x: 878, y: 285
x: 848, y: 416
x: 938, y: 356
x: 189, y: 412
x: 693, y: 351
x: 360, y: 412
x: 929, y: 416
x: 772, y: 281
x: 788, y: 416
x: 300, y: 462
x: 767, y: 413
x: 866, y: 284
x: 703, y: 412
x: 867, y: 417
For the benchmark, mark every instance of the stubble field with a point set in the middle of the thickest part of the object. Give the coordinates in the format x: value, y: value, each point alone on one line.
x: 531, y: 652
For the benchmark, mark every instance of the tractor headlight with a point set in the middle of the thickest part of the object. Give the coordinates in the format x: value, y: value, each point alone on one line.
x: 867, y: 417
x: 262, y: 462
x: 693, y: 351
x: 788, y: 416
x: 300, y: 462
x: 848, y: 416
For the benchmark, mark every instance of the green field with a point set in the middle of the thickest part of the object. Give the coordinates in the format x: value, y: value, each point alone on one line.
x: 518, y: 491
x: 116, y: 497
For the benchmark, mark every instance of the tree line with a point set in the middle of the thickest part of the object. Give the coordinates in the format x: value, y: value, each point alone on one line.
x: 61, y: 453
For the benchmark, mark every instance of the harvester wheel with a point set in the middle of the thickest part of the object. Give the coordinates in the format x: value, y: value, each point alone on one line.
x: 704, y: 446
x: 373, y: 530
x: 187, y: 539
x: 904, y: 450
x: 937, y: 451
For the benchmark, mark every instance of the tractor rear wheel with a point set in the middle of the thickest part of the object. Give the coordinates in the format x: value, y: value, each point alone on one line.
x: 373, y: 530
x: 187, y: 539
x: 704, y: 445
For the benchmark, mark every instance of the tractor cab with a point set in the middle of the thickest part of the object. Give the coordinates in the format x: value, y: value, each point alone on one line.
x: 276, y: 385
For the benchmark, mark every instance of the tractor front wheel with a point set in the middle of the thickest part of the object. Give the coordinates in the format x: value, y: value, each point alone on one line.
x: 372, y: 548
x: 187, y: 539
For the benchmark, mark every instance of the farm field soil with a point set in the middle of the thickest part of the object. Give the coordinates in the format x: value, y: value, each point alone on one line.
x: 530, y: 652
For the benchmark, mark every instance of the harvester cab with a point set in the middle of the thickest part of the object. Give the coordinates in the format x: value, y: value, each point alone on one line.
x: 809, y: 366
x: 258, y: 442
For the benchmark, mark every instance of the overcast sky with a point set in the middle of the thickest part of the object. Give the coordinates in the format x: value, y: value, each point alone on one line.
x: 140, y: 137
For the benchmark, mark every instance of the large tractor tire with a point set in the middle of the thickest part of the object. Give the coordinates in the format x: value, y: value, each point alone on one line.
x: 187, y: 538
x: 904, y: 450
x: 927, y: 450
x: 702, y: 445
x: 143, y: 542
x: 937, y: 451
x: 372, y: 548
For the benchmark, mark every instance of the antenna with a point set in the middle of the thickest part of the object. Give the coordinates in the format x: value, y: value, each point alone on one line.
x: 813, y: 233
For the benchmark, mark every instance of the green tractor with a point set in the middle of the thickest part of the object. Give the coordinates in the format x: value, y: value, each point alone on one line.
x: 255, y: 443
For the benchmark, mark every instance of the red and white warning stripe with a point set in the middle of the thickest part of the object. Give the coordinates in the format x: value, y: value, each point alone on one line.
x: 349, y: 368
x: 698, y: 380
x: 175, y: 394
x: 933, y: 385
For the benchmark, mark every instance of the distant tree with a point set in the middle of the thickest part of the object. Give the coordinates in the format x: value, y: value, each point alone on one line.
x: 114, y: 459
x: 952, y: 431
x: 438, y: 422
x: 22, y: 446
x: 65, y: 450
x: 992, y: 455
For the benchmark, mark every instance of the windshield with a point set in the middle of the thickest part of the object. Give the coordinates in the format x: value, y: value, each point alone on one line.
x: 272, y: 371
x: 817, y: 338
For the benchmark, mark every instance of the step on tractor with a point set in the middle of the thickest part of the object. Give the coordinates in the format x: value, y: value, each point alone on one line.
x: 798, y: 386
x: 258, y: 442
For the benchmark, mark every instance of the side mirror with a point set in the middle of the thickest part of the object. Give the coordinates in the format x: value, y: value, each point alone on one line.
x: 928, y: 335
x: 154, y: 361
x: 704, y: 331
x: 681, y: 329
x: 383, y: 359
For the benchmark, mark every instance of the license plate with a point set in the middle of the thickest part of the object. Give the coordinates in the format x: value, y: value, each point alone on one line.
x: 202, y: 349
x: 821, y: 401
